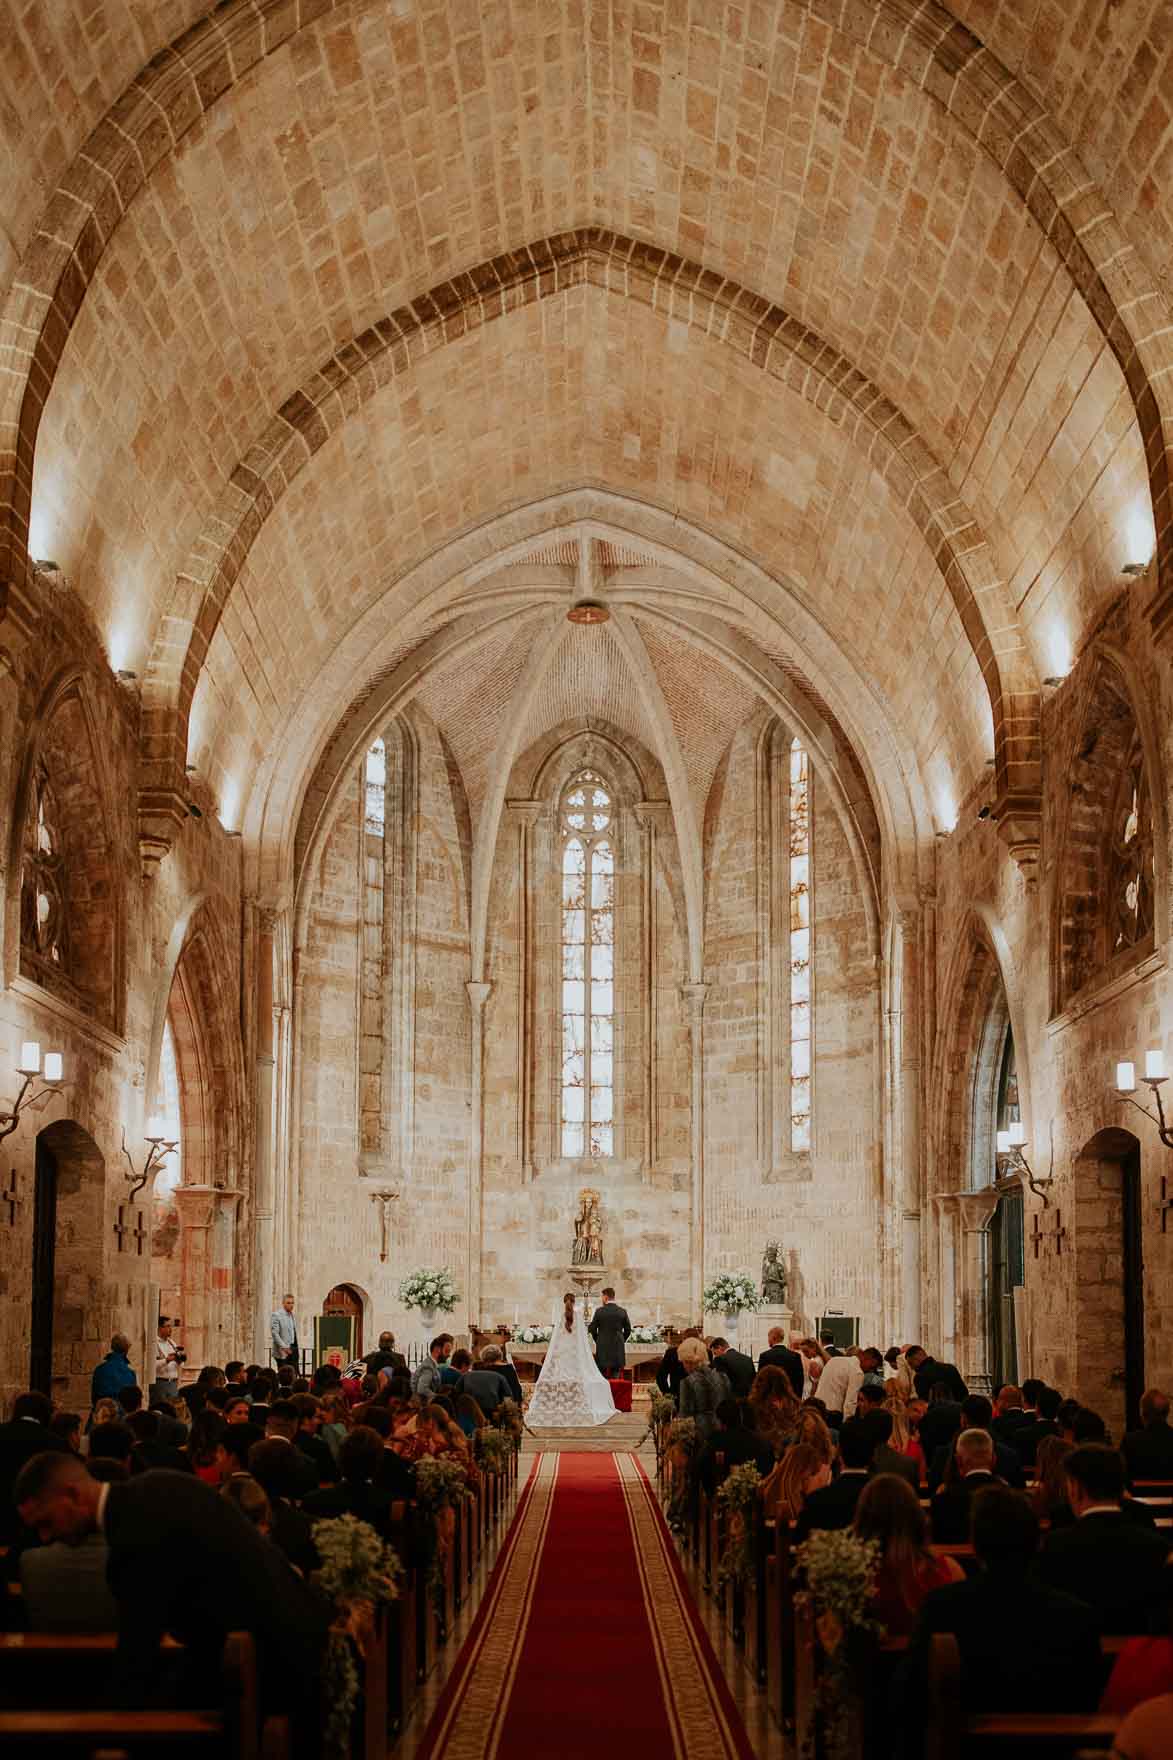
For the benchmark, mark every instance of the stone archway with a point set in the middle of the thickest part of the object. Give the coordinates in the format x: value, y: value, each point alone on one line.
x: 1109, y: 1277
x: 66, y: 1339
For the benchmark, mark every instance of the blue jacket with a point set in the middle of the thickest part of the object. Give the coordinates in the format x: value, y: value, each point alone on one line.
x: 111, y: 1376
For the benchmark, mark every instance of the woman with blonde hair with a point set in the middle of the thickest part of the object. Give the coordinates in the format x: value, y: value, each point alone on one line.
x: 801, y: 1469
x: 703, y: 1387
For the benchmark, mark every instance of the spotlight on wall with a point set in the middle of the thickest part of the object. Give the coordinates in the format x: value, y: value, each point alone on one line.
x: 126, y: 677
x: 1055, y: 681
x: 31, y: 1098
x: 1154, y: 1078
x: 158, y: 1150
x: 984, y: 812
x: 46, y: 565
x: 1134, y: 568
x: 194, y: 811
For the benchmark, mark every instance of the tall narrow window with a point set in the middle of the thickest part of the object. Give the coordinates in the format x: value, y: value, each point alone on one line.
x: 375, y: 788
x: 800, y: 949
x: 170, y: 1174
x: 588, y: 968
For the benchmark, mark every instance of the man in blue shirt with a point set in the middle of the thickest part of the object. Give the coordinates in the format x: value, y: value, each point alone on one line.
x: 114, y: 1372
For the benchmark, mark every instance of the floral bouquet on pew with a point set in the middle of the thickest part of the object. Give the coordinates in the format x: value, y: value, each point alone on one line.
x: 738, y: 1497
x: 682, y: 1443
x: 493, y: 1449
x: 511, y: 1423
x: 440, y: 1488
x: 839, y: 1574
x: 358, y: 1571
x: 662, y: 1412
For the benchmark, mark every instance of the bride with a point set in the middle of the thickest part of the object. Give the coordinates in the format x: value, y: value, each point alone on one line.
x: 570, y: 1394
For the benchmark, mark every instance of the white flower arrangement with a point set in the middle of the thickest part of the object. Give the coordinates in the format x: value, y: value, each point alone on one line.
x: 730, y: 1292
x: 646, y: 1335
x: 429, y: 1289
x: 534, y: 1334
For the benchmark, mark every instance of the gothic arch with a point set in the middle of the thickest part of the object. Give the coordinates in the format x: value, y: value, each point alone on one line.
x: 65, y: 814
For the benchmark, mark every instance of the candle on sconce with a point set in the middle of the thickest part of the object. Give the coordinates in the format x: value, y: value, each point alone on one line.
x: 1154, y: 1066
x: 1126, y: 1078
x: 30, y: 1058
x: 54, y: 1066
x: 515, y: 1315
x: 1003, y: 1142
x: 1017, y: 1134
x: 658, y: 1312
x: 154, y: 1130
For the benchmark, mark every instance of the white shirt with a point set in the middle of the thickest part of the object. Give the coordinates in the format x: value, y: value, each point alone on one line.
x: 165, y: 1365
x: 839, y: 1384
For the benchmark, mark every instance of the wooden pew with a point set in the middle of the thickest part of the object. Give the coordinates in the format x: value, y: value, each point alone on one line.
x: 951, y: 1735
x: 52, y: 1687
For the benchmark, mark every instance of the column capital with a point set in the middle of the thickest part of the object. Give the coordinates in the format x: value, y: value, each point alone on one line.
x: 652, y: 815
x: 695, y: 995
x: 525, y: 812
x: 478, y: 995
x: 197, y: 1205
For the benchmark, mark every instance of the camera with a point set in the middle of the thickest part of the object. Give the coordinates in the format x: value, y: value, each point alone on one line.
x: 181, y: 1356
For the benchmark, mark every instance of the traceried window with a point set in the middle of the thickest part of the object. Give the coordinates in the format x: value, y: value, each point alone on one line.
x: 375, y: 788
x: 588, y: 967
x: 1130, y: 863
x: 170, y: 1174
x: 800, y: 950
x: 43, y: 919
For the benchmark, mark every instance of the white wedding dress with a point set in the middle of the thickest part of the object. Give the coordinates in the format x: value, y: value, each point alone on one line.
x: 570, y: 1394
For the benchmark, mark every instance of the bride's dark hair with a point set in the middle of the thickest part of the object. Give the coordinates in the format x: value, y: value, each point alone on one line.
x: 568, y: 1310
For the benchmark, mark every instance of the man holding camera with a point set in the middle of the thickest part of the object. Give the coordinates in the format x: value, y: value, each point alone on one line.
x: 168, y: 1357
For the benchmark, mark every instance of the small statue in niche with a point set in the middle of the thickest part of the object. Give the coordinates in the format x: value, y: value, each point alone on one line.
x: 588, y: 1231
x: 773, y: 1277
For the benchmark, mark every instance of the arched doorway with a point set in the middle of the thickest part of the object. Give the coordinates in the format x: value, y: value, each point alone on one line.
x: 345, y: 1301
x: 68, y: 1200
x: 1109, y: 1277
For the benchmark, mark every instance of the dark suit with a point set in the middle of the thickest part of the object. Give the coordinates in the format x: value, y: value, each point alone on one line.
x: 186, y: 1561
x: 20, y: 1440
x: 1117, y: 1565
x: 394, y: 1361
x: 778, y: 1357
x: 950, y: 1509
x: 1148, y: 1453
x: 940, y: 1424
x: 1008, y: 1424
x: 729, y: 1449
x: 1025, y: 1440
x: 833, y: 1505
x: 610, y: 1328
x: 366, y: 1499
x: 671, y: 1373
x: 738, y: 1371
x: 1023, y: 1648
x: 509, y: 1374
x: 318, y: 1451
x: 930, y: 1372
x: 1007, y: 1464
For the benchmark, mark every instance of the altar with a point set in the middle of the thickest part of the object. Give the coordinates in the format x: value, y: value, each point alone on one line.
x: 642, y: 1359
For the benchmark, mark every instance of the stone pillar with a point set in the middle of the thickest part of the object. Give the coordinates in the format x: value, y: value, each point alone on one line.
x: 694, y: 996
x: 478, y: 995
x: 525, y: 815
x: 263, y: 1173
x: 197, y: 1212
x: 650, y: 815
x: 975, y: 1210
x: 224, y: 1334
x: 902, y: 1108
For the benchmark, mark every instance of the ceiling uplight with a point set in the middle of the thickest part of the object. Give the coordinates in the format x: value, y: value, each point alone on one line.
x: 1140, y: 538
x: 1134, y: 568
x: 588, y: 611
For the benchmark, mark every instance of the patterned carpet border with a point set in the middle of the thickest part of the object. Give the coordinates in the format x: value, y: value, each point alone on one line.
x: 467, y: 1724
x: 705, y: 1723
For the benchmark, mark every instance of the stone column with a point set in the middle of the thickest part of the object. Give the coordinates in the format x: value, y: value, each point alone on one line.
x: 224, y: 1335
x: 197, y: 1212
x: 975, y: 1210
x: 902, y: 1107
x: 649, y: 815
x: 263, y: 1173
x: 478, y: 995
x: 525, y: 815
x: 694, y: 996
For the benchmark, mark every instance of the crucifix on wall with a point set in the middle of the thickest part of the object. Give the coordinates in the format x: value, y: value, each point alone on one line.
x: 12, y: 1199
x: 1163, y: 1208
x: 384, y: 1200
x: 121, y: 1230
x: 1036, y: 1239
x: 140, y: 1233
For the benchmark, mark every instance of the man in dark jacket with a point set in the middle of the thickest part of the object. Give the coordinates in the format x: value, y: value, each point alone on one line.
x: 386, y: 1357
x: 364, y: 1490
x: 779, y: 1356
x: 1148, y: 1452
x: 951, y: 1509
x: 184, y: 1561
x: 486, y: 1383
x: 977, y: 1414
x: 927, y: 1372
x: 1023, y: 1646
x: 27, y: 1433
x: 732, y: 1445
x: 736, y: 1367
x: 833, y: 1505
x: 1044, y: 1423
x: 610, y: 1328
x: 1115, y: 1564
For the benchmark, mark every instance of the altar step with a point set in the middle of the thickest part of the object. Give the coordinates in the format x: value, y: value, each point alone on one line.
x: 619, y: 1435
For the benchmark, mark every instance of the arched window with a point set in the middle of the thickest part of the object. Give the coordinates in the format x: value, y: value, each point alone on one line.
x: 43, y: 919
x: 588, y: 967
x: 375, y: 788
x: 801, y: 949
x: 170, y: 1173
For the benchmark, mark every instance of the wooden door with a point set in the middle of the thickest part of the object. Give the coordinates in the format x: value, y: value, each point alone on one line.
x: 44, y: 1268
x: 343, y: 1299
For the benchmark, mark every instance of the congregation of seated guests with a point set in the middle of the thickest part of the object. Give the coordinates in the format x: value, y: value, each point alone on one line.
x: 194, y: 1515
x: 1015, y: 1523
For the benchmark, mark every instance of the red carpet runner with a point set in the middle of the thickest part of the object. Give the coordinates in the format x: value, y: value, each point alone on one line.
x: 587, y: 1635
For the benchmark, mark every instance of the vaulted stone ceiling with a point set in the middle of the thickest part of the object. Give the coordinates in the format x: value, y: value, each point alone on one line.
x: 294, y: 354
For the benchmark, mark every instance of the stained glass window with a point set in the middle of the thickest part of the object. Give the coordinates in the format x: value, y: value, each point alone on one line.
x: 375, y: 788
x: 44, y: 923
x: 588, y: 968
x: 800, y: 949
x: 1130, y: 865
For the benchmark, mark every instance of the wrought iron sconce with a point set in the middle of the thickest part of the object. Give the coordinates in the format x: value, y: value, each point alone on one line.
x: 159, y: 1150
x: 1154, y: 1077
x: 32, y: 1098
x: 1011, y: 1147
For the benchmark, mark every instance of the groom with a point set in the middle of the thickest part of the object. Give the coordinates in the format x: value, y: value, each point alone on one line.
x: 609, y: 1328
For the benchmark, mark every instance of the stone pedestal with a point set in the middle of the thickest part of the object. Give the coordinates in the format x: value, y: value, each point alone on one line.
x: 755, y: 1328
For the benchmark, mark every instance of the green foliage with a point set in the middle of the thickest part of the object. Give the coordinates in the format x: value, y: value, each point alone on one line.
x: 738, y: 1498
x: 358, y: 1570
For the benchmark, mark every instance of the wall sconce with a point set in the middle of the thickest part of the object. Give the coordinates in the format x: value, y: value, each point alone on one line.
x: 158, y: 1152
x: 1154, y: 1076
x: 1011, y: 1144
x: 31, y: 1099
